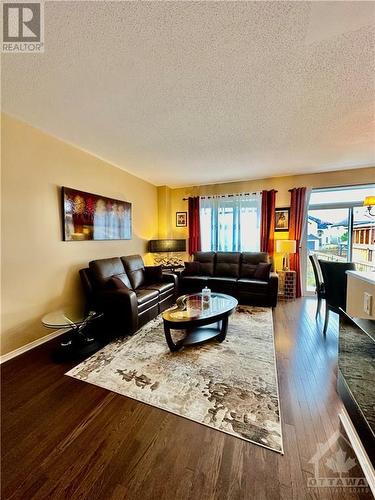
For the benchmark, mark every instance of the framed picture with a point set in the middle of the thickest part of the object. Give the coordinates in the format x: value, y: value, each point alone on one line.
x: 88, y: 216
x: 181, y: 219
x: 282, y: 219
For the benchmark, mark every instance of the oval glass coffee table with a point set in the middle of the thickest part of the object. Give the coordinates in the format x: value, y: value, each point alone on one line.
x: 201, y: 321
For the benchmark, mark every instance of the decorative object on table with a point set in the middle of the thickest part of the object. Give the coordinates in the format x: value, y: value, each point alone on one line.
x: 335, y: 286
x: 181, y: 219
x: 202, y: 317
x: 286, y: 247
x: 78, y: 339
x: 287, y: 285
x: 168, y: 247
x: 369, y: 202
x: 88, y: 216
x: 282, y: 219
x: 230, y: 386
x: 206, y: 295
x: 319, y: 282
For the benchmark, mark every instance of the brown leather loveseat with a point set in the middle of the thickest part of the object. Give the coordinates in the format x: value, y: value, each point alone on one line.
x: 247, y: 276
x: 128, y: 293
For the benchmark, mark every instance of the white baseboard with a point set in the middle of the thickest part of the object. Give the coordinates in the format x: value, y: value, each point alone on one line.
x: 358, y: 448
x: 31, y: 345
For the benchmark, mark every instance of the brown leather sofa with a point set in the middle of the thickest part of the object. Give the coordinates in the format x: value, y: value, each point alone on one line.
x: 128, y: 293
x: 247, y: 276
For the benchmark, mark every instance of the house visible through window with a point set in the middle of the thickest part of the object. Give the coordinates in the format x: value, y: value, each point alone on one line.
x: 230, y: 223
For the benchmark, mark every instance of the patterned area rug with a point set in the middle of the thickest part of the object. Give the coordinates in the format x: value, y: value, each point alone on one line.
x: 229, y: 386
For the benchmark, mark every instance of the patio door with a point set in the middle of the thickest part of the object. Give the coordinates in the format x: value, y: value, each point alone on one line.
x: 339, y: 229
x: 328, y: 236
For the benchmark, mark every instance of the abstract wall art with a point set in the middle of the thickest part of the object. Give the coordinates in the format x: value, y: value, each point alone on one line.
x: 88, y: 216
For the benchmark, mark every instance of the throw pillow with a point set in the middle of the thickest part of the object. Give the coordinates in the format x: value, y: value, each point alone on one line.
x: 191, y: 268
x: 248, y: 271
x: 154, y: 274
x: 120, y: 281
x: 262, y: 272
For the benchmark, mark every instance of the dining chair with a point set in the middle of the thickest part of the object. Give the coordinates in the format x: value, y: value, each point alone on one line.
x: 335, y: 285
x: 319, y: 283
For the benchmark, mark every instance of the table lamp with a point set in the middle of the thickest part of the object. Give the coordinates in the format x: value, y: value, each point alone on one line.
x: 286, y: 247
x: 168, y: 246
x: 370, y: 204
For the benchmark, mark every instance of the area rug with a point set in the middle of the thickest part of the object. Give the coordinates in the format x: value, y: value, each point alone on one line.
x: 229, y: 386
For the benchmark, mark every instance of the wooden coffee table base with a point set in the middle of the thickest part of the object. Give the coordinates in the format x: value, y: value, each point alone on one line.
x: 197, y: 335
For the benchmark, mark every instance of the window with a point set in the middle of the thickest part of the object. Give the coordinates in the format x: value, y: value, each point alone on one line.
x: 340, y: 228
x: 230, y: 223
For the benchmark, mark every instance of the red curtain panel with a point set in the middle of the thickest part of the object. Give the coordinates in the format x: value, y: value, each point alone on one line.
x: 194, y: 225
x: 297, y: 215
x: 267, y: 224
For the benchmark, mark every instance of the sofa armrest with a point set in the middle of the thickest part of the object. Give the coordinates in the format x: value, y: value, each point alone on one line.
x: 120, y: 306
x: 171, y: 278
x: 273, y: 288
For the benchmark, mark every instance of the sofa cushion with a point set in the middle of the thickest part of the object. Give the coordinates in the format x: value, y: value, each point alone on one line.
x: 161, y: 287
x: 228, y: 264
x: 153, y: 274
x: 222, y: 284
x: 146, y: 295
x: 250, y: 261
x: 120, y: 281
x: 193, y: 283
x: 135, y: 269
x: 146, y: 300
x: 195, y: 278
x: 252, y: 286
x: 103, y: 269
x: 206, y: 262
x: 192, y: 268
x: 262, y: 271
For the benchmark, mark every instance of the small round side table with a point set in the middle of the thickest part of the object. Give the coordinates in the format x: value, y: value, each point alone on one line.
x: 78, y: 341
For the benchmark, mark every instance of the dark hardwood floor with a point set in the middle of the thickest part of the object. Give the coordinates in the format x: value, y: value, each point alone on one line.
x: 63, y: 438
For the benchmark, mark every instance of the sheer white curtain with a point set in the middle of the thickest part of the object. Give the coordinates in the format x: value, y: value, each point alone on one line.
x: 231, y: 223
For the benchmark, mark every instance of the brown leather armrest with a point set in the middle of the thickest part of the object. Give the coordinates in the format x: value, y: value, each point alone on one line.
x: 120, y: 306
x: 170, y: 278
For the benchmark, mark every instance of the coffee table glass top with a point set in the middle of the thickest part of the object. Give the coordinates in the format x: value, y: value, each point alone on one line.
x: 192, y: 307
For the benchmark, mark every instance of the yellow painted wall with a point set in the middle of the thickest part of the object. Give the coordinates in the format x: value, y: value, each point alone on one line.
x: 39, y: 270
x: 281, y: 184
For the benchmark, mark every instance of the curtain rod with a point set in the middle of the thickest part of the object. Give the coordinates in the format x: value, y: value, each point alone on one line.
x: 224, y: 195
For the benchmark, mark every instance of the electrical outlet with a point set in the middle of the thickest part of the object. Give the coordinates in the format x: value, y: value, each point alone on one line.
x: 367, y: 303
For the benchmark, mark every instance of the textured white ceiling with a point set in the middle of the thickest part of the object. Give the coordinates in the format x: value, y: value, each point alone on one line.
x: 183, y: 93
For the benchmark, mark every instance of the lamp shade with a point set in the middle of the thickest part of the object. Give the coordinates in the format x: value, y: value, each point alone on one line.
x: 156, y: 246
x: 286, y: 246
x: 369, y: 201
